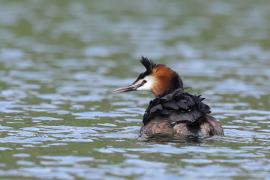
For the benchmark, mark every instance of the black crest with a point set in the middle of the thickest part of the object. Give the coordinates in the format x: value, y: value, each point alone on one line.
x: 148, y: 64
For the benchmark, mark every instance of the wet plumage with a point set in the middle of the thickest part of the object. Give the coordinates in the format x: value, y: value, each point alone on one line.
x: 179, y: 114
x: 179, y: 106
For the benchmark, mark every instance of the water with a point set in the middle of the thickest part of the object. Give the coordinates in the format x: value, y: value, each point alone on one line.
x: 59, y: 61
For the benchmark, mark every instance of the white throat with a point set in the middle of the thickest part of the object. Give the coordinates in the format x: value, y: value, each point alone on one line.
x: 148, y: 85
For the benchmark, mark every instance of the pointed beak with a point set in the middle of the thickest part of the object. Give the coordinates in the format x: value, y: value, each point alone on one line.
x: 132, y: 87
x: 125, y: 89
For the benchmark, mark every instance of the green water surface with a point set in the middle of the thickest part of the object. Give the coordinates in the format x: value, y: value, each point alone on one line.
x: 60, y: 59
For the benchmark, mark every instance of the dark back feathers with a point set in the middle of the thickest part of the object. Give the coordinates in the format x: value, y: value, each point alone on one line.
x: 178, y: 106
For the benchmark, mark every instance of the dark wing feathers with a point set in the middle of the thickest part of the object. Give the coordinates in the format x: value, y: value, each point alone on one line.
x: 178, y: 106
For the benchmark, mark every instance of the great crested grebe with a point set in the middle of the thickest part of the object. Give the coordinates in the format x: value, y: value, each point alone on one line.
x: 173, y: 112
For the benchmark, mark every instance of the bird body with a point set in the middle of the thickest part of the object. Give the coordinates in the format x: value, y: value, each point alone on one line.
x: 173, y: 112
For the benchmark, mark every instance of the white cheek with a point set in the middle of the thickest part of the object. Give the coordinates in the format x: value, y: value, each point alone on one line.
x: 148, y: 85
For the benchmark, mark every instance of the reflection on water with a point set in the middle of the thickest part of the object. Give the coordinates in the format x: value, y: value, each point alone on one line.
x: 59, y: 61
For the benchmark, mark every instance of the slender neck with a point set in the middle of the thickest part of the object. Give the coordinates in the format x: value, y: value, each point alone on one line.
x: 167, y: 85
